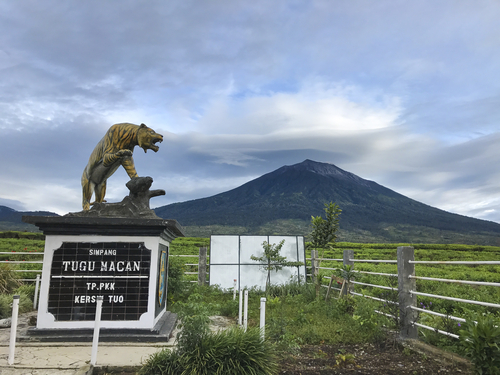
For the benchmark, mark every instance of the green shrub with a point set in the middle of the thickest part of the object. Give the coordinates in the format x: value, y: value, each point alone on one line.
x: 202, y: 352
x: 230, y: 308
x: 232, y: 352
x: 227, y: 352
x: 175, y: 282
x: 346, y: 305
x: 163, y: 362
x: 194, y: 316
x: 481, y: 342
x: 28, y: 290
x: 293, y: 288
x: 25, y: 305
x: 9, y: 280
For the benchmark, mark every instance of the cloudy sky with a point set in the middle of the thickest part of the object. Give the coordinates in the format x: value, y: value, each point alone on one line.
x: 406, y: 94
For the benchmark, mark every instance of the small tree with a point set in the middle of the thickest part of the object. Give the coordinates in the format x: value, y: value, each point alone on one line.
x: 325, y: 231
x: 272, y: 260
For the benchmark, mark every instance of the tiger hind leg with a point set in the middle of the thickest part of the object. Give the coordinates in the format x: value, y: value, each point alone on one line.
x: 100, y: 192
x: 88, y: 190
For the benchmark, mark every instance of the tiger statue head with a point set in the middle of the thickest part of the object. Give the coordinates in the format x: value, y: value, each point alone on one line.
x: 147, y: 138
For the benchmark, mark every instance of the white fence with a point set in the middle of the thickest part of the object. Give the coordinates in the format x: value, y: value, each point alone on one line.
x: 201, y: 266
x: 17, y: 262
x: 406, y: 287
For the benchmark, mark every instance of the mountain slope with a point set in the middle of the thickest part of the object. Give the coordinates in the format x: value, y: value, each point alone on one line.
x: 298, y: 191
x: 11, y: 219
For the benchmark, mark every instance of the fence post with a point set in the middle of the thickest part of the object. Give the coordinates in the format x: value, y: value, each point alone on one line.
x: 347, y: 256
x: 202, y: 267
x: 314, y: 267
x: 407, y: 315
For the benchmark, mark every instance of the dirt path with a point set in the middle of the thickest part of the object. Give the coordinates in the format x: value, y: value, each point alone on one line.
x: 388, y: 358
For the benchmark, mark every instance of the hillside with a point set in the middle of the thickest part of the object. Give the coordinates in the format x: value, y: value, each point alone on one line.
x: 11, y: 219
x: 284, y: 200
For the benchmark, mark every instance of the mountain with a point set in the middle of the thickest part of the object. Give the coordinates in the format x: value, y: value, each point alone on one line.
x: 11, y: 219
x: 283, y: 201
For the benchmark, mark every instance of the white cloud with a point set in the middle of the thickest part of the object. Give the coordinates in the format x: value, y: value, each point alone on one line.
x: 314, y: 108
x: 404, y: 94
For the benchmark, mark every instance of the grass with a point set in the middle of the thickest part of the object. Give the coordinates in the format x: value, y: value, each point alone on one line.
x: 10, y: 286
x: 297, y: 317
x: 488, y: 273
x: 199, y: 351
x: 294, y: 315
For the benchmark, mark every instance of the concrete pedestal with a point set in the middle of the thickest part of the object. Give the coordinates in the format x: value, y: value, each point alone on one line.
x: 125, y: 260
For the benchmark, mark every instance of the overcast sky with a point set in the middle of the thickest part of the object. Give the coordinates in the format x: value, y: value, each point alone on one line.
x: 404, y: 93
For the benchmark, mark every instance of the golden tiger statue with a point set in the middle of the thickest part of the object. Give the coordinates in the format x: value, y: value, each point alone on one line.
x: 115, y: 149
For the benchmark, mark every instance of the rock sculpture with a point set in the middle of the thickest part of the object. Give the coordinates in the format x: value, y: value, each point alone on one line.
x: 135, y: 205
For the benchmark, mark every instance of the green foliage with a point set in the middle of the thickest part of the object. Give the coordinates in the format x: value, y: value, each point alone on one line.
x: 194, y: 315
x: 200, y: 351
x: 28, y: 290
x: 325, y: 231
x: 342, y: 360
x: 25, y: 304
x: 293, y: 288
x: 426, y: 252
x: 21, y: 242
x: 294, y: 320
x: 391, y: 300
x: 8, y: 279
x: 164, y: 362
x: 482, y: 344
x: 22, y: 235
x: 230, y: 308
x: 347, y: 273
x: 444, y: 324
x: 188, y: 246
x: 227, y: 352
x: 175, y: 281
x: 233, y: 352
x: 346, y: 305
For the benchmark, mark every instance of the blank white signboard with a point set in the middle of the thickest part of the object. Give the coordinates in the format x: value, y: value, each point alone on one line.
x: 230, y: 259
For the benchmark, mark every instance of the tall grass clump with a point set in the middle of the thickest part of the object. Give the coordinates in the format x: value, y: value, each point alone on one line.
x: 11, y: 285
x: 25, y: 304
x: 481, y: 342
x: 202, y: 352
x: 175, y: 280
x: 8, y: 279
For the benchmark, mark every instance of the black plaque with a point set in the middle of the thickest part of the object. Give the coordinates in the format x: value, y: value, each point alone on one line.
x: 81, y: 271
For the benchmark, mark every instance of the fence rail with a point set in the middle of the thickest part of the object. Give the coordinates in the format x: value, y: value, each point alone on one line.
x: 406, y: 287
x: 17, y: 262
x: 202, y: 263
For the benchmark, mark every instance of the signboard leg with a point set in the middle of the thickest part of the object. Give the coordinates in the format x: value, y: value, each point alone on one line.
x: 240, y: 308
x: 97, y: 327
x: 245, y: 313
x: 262, y: 317
x: 13, y: 328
